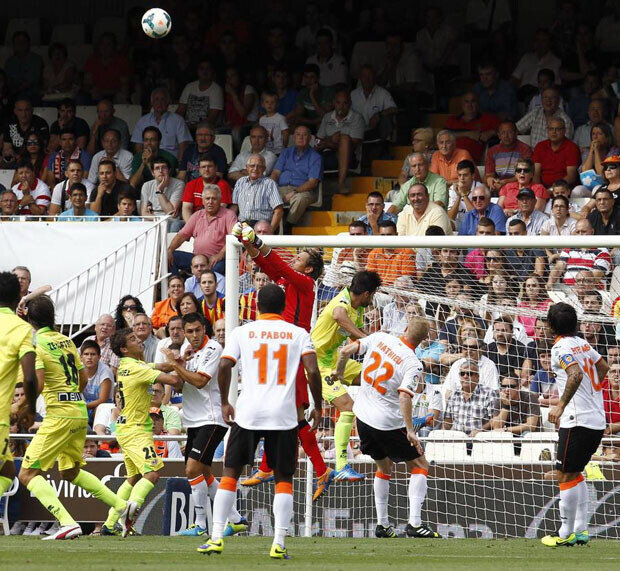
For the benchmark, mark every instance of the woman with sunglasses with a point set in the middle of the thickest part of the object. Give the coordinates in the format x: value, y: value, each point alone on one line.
x: 126, y: 311
x: 524, y: 173
x: 601, y: 147
x: 35, y: 153
x: 611, y: 174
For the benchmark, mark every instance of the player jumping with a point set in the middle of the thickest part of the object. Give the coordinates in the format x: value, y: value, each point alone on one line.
x: 270, y: 350
x: 578, y: 370
x: 391, y: 374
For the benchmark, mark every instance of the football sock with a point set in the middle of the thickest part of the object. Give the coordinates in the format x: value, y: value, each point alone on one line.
x: 200, y: 493
x: 569, y: 498
x: 282, y: 511
x: 264, y: 465
x: 5, y: 484
x: 234, y: 516
x: 140, y: 491
x: 224, y: 500
x: 311, y: 447
x: 342, y: 435
x: 41, y: 489
x: 581, y: 515
x: 417, y: 493
x: 381, y: 487
x: 98, y: 489
x: 123, y: 493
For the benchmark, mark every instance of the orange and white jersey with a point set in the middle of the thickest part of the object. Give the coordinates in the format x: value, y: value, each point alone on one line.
x: 586, y: 407
x: 270, y: 350
x: 390, y: 366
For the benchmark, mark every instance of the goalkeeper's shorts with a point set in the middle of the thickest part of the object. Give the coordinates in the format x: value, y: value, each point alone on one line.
x: 333, y: 388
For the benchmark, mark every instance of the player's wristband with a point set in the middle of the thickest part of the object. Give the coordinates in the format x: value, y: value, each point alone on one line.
x: 258, y: 242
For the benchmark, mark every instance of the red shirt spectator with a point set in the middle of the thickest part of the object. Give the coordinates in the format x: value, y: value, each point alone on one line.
x: 482, y: 122
x: 510, y: 191
x: 612, y: 406
x: 554, y: 164
x: 193, y: 192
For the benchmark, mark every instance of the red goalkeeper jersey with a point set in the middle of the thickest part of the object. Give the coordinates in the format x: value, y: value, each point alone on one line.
x: 299, y: 289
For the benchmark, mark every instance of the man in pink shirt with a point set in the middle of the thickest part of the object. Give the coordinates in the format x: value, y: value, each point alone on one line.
x: 208, y: 227
x: 444, y: 160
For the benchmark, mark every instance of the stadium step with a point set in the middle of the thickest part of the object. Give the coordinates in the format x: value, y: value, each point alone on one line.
x: 319, y: 230
x: 400, y: 153
x: 332, y: 218
x: 349, y: 202
x: 366, y: 184
x: 438, y: 120
x: 386, y: 168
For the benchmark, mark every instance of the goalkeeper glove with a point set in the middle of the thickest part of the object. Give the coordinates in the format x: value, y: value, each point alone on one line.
x: 237, y: 230
x: 249, y: 237
x: 420, y: 421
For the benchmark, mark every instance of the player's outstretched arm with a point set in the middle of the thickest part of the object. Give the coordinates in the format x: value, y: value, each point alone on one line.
x: 574, y: 378
x: 31, y: 380
x: 223, y: 381
x: 344, y: 355
x: 404, y: 402
x: 199, y: 380
x: 171, y: 380
x: 314, y: 381
x: 342, y: 318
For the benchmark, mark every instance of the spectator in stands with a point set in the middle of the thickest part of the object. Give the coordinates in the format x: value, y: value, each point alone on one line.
x: 142, y: 163
x: 420, y: 174
x: 78, y: 212
x: 240, y: 105
x: 192, y: 195
x: 535, y: 123
x: 562, y: 188
x: 274, y: 123
x: 519, y: 409
x: 162, y: 195
x: 203, y: 99
x: 59, y: 160
x: 523, y: 262
x: 421, y: 213
x: 256, y: 196
x: 126, y: 208
x: 169, y: 307
x: 557, y: 157
x: 111, y: 141
x: 61, y: 193
x: 605, y: 218
x: 258, y: 142
x: 527, y: 213
x: 511, y: 357
x: 33, y: 194
x: 596, y: 115
x: 189, y: 168
x: 227, y: 21
x: 447, y: 157
x: 525, y: 74
x: 298, y: 173
x: 375, y: 104
x: 100, y: 386
x: 209, y: 228
x: 474, y: 129
x: 287, y: 96
x: 105, y: 328
x: 24, y: 69
x: 199, y: 264
x: 305, y: 39
x: 592, y: 332
x: 332, y: 66
x: 9, y: 206
x: 172, y: 419
x: 460, y: 202
x: 213, y: 303
x: 375, y: 213
x: 19, y: 127
x: 600, y: 147
x: 106, y: 120
x: 68, y: 120
x: 174, y: 134
x: 339, y: 137
x: 398, y: 312
x: 471, y: 405
x: 104, y: 198
x: 501, y: 160
x: 482, y: 207
x: 163, y: 448
x: 611, y: 402
x: 313, y: 101
x: 422, y: 141
x: 390, y: 263
x: 524, y: 175
x: 35, y: 153
x: 143, y: 329
x: 545, y: 79
x: 107, y: 72
x: 496, y: 95
x: 560, y: 223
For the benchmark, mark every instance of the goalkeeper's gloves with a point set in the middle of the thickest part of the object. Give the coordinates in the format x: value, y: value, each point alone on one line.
x: 237, y: 230
x: 420, y: 421
x: 248, y: 236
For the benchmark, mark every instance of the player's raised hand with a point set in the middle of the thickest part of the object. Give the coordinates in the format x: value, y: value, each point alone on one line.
x: 228, y: 413
x: 237, y: 231
x: 248, y: 234
x: 413, y: 440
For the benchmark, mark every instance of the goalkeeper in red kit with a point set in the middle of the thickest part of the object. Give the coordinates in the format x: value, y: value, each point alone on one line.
x: 298, y: 281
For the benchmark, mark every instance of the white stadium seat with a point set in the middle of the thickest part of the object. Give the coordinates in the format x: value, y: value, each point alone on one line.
x: 450, y: 446
x: 50, y: 114
x: 225, y: 141
x: 534, y: 443
x: 487, y: 451
x: 129, y: 113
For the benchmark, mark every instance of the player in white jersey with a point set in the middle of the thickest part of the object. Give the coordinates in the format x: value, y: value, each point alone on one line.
x: 202, y: 416
x: 579, y: 371
x: 391, y: 375
x: 270, y: 350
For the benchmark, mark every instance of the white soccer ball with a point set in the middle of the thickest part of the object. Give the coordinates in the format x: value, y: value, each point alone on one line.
x: 156, y: 23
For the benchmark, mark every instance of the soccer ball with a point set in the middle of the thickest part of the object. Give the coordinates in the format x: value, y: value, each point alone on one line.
x: 156, y: 23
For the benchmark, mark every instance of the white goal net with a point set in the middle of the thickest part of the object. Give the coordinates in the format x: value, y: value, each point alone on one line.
x: 491, y: 461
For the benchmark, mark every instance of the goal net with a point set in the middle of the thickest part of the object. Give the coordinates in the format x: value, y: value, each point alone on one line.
x: 486, y: 299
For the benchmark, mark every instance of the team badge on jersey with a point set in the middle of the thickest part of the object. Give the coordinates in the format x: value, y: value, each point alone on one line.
x: 566, y: 360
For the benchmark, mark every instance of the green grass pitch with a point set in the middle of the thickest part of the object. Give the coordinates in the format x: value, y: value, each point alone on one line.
x: 154, y: 553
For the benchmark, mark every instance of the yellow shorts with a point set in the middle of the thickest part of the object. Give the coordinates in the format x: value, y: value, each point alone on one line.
x: 5, y: 445
x: 138, y: 452
x: 59, y: 439
x: 332, y: 388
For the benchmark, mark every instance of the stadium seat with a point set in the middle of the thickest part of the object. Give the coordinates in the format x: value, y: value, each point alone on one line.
x: 534, y: 443
x: 225, y: 141
x: 50, y: 114
x: 438, y: 120
x: 349, y: 202
x: 30, y: 25
x: 246, y: 146
x: 4, y: 519
x: 6, y: 177
x: 447, y: 446
x: 130, y: 113
x: 87, y: 112
x: 485, y: 450
x: 68, y: 34
x: 527, y: 139
x: 400, y: 153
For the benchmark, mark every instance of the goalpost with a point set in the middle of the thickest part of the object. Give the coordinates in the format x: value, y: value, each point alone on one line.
x: 498, y: 482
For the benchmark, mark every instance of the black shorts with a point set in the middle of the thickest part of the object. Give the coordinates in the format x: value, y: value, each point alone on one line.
x: 202, y: 442
x: 575, y: 448
x: 280, y: 448
x: 380, y: 444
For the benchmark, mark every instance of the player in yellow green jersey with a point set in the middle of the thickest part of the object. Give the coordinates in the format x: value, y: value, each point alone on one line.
x: 343, y: 318
x: 60, y: 379
x: 134, y: 428
x: 16, y: 350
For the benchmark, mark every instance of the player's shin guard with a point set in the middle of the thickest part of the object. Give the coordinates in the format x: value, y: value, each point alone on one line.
x: 5, y: 484
x: 41, y: 489
x: 140, y: 491
x: 569, y: 499
x: 282, y: 511
x: 234, y: 516
x: 200, y: 493
x: 342, y: 435
x: 98, y: 489
x: 123, y: 493
x: 381, y: 486
x: 224, y: 500
x: 417, y: 494
x: 311, y: 447
x: 581, y: 515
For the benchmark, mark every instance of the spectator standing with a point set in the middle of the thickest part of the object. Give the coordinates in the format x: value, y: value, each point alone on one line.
x: 501, y: 160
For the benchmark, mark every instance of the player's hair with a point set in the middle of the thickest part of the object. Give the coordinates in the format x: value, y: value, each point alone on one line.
x: 9, y: 289
x: 315, y: 260
x: 271, y: 299
x: 90, y: 344
x: 119, y: 340
x: 562, y: 319
x: 387, y: 224
x: 198, y: 317
x: 365, y: 281
x: 41, y: 312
